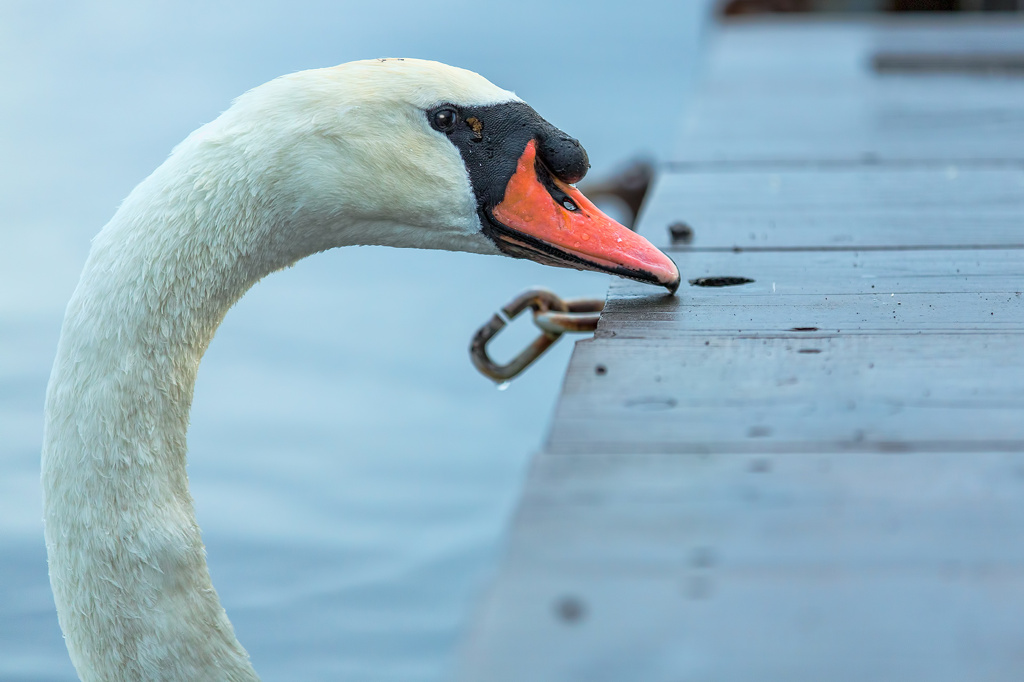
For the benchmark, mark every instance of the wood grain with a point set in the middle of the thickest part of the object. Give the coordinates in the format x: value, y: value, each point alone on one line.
x: 750, y: 567
x: 849, y: 292
x: 840, y: 206
x: 805, y: 91
x: 793, y: 392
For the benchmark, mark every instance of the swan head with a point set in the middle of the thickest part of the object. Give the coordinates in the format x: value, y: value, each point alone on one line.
x: 414, y: 153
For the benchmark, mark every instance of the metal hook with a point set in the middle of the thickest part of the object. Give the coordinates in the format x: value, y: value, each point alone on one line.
x: 551, y: 314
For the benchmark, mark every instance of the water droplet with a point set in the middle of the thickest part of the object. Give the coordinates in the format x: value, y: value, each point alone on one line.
x: 576, y: 244
x: 619, y: 239
x: 504, y: 385
x: 586, y: 237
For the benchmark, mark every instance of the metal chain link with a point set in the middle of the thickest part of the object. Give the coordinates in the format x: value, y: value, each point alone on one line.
x: 552, y: 315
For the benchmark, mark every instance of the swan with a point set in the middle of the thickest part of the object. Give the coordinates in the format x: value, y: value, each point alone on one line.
x: 403, y: 153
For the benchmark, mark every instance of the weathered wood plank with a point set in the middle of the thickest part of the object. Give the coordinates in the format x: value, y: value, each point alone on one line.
x: 801, y: 392
x: 818, y: 475
x: 845, y: 206
x: 806, y: 91
x: 851, y: 292
x: 987, y: 47
x: 736, y: 567
x: 896, y: 118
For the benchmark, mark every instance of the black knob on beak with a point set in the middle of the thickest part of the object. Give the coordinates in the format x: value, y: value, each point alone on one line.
x: 564, y: 156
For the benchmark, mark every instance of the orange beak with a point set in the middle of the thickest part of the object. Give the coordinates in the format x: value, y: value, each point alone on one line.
x: 552, y: 222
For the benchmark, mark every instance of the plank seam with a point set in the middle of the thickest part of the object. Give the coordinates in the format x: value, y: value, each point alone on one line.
x: 873, y: 163
x: 845, y: 248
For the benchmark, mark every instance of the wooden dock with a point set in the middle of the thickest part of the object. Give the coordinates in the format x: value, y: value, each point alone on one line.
x: 817, y: 475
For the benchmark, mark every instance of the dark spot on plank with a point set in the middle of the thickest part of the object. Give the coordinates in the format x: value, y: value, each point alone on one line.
x: 680, y: 233
x: 600, y: 370
x: 809, y: 351
x: 651, y: 403
x: 702, y: 557
x: 571, y: 609
x: 719, y: 281
x: 804, y: 329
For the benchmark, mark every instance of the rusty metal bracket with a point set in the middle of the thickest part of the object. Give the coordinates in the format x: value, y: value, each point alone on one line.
x: 553, y: 317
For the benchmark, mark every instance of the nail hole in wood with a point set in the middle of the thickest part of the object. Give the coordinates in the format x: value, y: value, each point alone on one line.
x: 720, y: 281
x: 680, y: 233
x: 571, y: 609
x: 651, y: 403
x: 759, y: 432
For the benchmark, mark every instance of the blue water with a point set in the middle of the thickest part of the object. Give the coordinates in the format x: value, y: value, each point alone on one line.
x: 353, y: 474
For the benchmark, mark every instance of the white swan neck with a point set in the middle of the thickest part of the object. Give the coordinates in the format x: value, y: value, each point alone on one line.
x: 127, y: 563
x: 304, y: 163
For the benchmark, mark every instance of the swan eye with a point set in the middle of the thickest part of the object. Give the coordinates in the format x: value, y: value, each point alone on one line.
x: 444, y: 119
